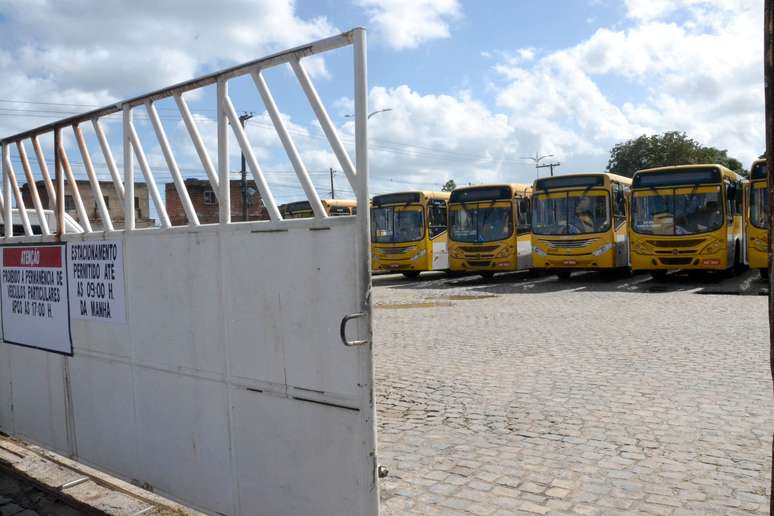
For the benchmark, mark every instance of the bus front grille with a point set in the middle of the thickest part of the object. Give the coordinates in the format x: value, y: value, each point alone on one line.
x: 676, y: 243
x: 394, y: 250
x: 569, y: 244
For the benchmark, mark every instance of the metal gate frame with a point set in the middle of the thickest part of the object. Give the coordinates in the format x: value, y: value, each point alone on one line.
x: 356, y: 174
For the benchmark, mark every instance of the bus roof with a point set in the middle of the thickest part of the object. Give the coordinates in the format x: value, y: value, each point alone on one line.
x: 296, y: 206
x: 515, y: 188
x: 339, y: 203
x: 568, y: 180
x: 408, y: 196
x: 724, y: 172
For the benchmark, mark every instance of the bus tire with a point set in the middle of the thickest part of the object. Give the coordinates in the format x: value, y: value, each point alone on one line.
x: 563, y: 275
x: 764, y: 274
x: 411, y: 274
x: 659, y: 274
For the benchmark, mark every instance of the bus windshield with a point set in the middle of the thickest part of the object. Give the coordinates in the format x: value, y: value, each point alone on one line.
x: 395, y: 224
x: 570, y: 213
x: 759, y: 207
x: 679, y: 211
x: 480, y: 223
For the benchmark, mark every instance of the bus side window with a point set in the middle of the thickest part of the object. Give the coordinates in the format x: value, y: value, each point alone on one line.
x: 619, y: 204
x: 523, y: 213
x: 436, y: 217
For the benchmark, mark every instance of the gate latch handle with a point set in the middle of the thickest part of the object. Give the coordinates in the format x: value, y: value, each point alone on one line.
x: 343, y: 329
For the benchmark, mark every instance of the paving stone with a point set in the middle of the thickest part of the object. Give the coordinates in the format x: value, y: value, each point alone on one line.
x: 557, y: 492
x: 519, y: 394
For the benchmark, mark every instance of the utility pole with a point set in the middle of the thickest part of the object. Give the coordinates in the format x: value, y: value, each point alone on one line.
x: 549, y: 165
x: 333, y: 191
x: 537, y: 158
x: 244, y: 117
x: 768, y: 86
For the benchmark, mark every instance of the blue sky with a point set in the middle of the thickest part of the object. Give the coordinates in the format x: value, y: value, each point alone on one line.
x: 473, y: 86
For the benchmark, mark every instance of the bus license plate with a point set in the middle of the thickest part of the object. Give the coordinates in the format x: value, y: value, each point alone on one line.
x: 711, y: 262
x: 569, y: 262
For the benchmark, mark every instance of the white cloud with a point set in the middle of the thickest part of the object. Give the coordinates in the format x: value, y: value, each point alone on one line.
x: 702, y: 76
x: 94, y: 53
x: 409, y: 23
x: 427, y: 139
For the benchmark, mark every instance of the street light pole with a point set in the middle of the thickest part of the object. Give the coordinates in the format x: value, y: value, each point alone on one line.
x: 536, y: 159
x: 372, y: 113
x: 333, y: 191
x: 244, y: 117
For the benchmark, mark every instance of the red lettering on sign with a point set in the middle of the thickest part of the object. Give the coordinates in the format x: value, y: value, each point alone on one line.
x: 46, y: 256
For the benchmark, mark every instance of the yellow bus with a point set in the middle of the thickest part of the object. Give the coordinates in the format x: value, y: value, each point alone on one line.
x: 489, y: 229
x: 579, y: 221
x: 757, y: 223
x: 303, y: 210
x: 408, y: 232
x: 686, y: 217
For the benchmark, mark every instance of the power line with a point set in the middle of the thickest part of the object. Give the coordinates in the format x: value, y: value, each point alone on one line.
x: 387, y: 145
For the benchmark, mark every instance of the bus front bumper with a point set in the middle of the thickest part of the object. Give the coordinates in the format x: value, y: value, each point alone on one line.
x: 641, y: 262
x: 577, y: 261
x: 483, y: 265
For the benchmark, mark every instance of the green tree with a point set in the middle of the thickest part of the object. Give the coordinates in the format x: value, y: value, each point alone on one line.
x: 671, y: 148
x: 449, y: 186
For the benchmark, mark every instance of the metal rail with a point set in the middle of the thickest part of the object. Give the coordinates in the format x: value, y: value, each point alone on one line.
x: 26, y: 207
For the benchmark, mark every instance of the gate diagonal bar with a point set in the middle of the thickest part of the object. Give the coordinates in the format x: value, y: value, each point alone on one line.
x: 209, y: 350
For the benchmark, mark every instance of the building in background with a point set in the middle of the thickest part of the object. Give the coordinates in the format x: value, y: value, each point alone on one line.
x: 205, y: 202
x: 109, y: 194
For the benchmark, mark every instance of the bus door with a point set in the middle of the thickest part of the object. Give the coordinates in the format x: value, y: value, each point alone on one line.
x: 523, y: 232
x: 620, y: 227
x: 437, y: 231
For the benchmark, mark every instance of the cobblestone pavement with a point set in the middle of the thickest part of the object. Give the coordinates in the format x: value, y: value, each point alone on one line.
x: 586, y: 396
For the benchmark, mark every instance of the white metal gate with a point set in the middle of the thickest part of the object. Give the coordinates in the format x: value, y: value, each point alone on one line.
x: 230, y: 380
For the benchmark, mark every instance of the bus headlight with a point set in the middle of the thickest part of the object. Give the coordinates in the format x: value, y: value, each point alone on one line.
x: 505, y: 252
x: 760, y: 245
x: 456, y: 252
x: 642, y: 248
x: 420, y: 254
x: 538, y: 251
x: 602, y: 250
x: 712, y: 248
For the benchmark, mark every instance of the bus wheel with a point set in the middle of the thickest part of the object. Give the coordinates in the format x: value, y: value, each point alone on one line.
x: 659, y: 274
x: 563, y: 274
x: 487, y: 274
x: 764, y: 274
x: 411, y: 274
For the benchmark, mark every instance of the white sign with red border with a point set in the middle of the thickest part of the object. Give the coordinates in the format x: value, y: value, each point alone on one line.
x: 35, y: 308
